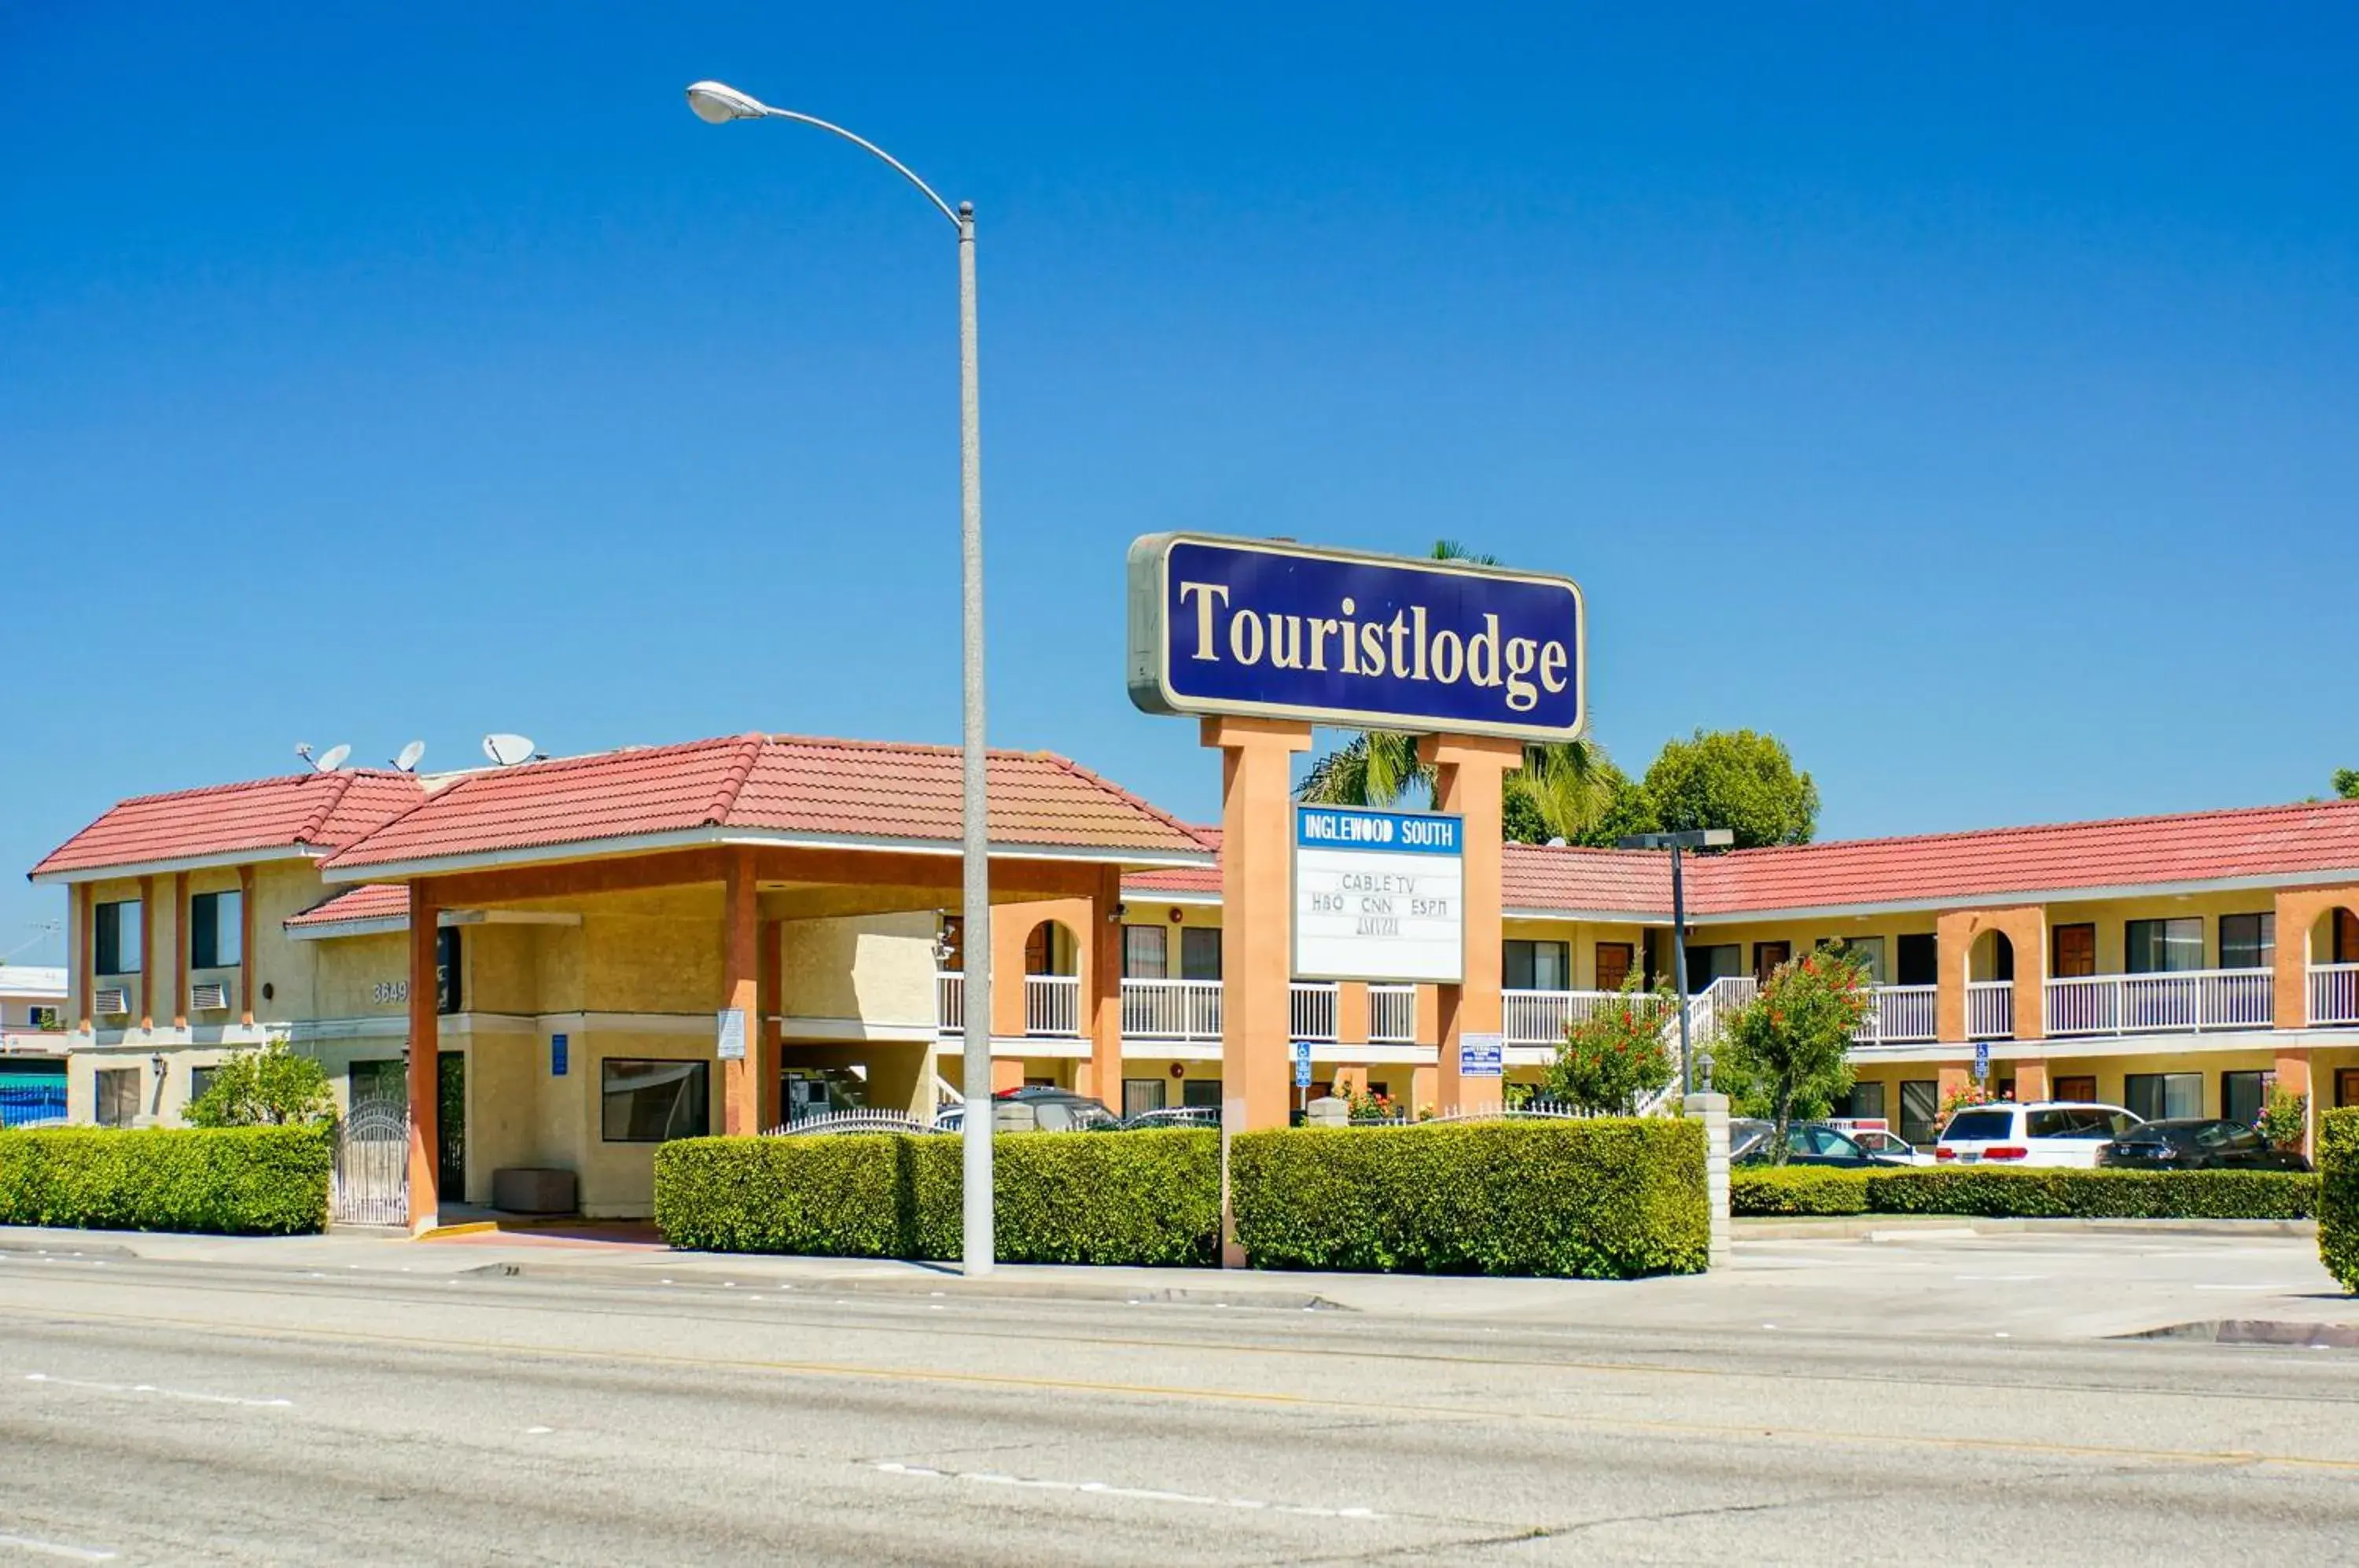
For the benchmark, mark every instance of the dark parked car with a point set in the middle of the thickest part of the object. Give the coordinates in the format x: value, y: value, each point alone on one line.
x: 1176, y: 1117
x: 1062, y: 1110
x: 2194, y: 1143
x: 1806, y: 1143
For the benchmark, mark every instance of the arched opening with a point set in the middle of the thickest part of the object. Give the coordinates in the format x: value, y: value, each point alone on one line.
x: 1991, y: 958
x: 1050, y: 949
x: 2333, y: 978
x: 1052, y: 986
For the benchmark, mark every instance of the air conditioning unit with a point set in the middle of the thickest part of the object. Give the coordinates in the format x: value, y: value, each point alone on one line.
x: 109, y: 1001
x: 212, y: 997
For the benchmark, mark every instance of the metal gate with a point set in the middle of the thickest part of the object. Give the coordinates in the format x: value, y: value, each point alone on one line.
x: 371, y: 1178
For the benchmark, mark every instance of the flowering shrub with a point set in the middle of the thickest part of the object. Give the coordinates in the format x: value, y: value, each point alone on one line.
x: 1966, y: 1099
x: 1615, y: 1057
x: 1786, y: 1054
x: 2284, y: 1120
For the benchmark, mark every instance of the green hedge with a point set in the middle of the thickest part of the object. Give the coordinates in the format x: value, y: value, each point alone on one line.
x: 1134, y: 1197
x: 2037, y: 1194
x: 1601, y: 1199
x: 266, y: 1181
x: 2338, y: 1196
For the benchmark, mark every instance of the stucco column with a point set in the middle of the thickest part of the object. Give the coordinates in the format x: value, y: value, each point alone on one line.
x: 1257, y: 912
x: 147, y: 953
x: 1949, y: 1080
x: 425, y: 1061
x: 2293, y: 1078
x: 2024, y: 926
x: 2298, y: 909
x: 2031, y: 1078
x: 180, y: 951
x: 1008, y: 924
x: 740, y: 988
x: 770, y: 1000
x: 1469, y: 774
x: 247, y: 958
x: 1351, y: 1012
x: 84, y: 945
x: 1101, y: 989
x: 1711, y: 1110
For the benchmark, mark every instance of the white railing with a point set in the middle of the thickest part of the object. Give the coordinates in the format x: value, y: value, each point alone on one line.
x: 1899, y: 1015
x: 950, y: 1001
x: 1052, y: 1005
x: 1990, y: 1010
x: 1172, y: 1009
x: 1392, y: 1015
x: 1314, y: 1011
x: 2196, y: 1000
x: 2334, y: 993
x: 1540, y: 1018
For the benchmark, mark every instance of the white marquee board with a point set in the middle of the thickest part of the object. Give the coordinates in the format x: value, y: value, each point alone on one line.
x: 1379, y: 895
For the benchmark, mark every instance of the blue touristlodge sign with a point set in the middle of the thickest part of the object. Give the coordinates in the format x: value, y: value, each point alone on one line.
x: 1277, y: 630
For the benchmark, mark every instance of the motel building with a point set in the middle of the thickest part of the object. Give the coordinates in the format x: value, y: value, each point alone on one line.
x: 561, y: 936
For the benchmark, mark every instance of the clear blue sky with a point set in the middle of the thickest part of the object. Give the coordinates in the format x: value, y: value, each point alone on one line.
x: 1963, y: 394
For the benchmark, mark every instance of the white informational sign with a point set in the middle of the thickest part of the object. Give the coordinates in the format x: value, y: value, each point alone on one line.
x: 733, y: 1034
x: 1378, y: 895
x: 1482, y: 1056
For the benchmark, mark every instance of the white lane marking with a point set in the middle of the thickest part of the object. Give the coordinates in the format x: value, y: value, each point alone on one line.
x: 56, y: 1549
x: 2000, y: 1278
x: 1105, y: 1489
x: 48, y: 1381
x: 2296, y: 1286
x: 538, y: 1430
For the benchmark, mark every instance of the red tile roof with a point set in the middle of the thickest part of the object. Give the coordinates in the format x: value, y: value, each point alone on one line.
x: 369, y: 901
x: 317, y: 812
x: 2131, y: 852
x: 786, y: 784
x: 1541, y: 876
x: 1185, y: 880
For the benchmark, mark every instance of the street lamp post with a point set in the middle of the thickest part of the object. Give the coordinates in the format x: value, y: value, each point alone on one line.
x: 716, y: 104
x: 1693, y: 838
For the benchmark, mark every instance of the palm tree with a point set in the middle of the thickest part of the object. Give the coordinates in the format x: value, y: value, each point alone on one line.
x: 1569, y: 785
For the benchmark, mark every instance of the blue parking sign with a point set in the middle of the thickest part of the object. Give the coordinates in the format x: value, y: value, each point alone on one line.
x: 1302, y: 1064
x: 1982, y: 1061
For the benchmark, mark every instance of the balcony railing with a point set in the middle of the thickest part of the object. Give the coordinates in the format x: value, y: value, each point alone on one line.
x: 1540, y: 1018
x: 2196, y: 1000
x: 1187, y: 1010
x: 950, y: 1001
x: 1392, y: 1015
x: 1314, y: 1011
x: 1899, y: 1015
x: 1052, y: 1005
x: 1990, y: 1010
x: 2334, y: 993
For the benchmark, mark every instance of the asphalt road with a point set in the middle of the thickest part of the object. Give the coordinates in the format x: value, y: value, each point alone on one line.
x: 186, y: 1412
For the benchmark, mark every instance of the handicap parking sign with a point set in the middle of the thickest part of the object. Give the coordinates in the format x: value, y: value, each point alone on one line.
x: 1982, y: 1061
x: 1302, y: 1064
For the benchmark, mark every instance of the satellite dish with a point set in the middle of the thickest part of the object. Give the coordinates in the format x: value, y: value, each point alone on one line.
x: 508, y: 750
x: 407, y: 761
x: 303, y: 749
x: 333, y: 758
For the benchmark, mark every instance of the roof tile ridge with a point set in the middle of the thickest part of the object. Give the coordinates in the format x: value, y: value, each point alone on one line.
x: 425, y: 798
x: 732, y: 782
x: 318, y: 819
x: 2018, y: 830
x: 1186, y: 830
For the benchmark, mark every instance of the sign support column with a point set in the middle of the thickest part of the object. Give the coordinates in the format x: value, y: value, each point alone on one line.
x: 425, y: 1058
x: 738, y: 1048
x: 1257, y: 911
x: 1470, y: 781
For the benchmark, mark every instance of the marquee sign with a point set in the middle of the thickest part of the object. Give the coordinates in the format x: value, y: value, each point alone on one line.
x: 1378, y: 895
x: 1274, y: 630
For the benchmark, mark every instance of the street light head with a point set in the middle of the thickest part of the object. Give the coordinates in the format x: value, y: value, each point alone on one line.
x: 1719, y: 838
x: 717, y: 102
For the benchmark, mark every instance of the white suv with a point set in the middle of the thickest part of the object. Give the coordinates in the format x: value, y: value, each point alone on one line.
x: 2052, y: 1132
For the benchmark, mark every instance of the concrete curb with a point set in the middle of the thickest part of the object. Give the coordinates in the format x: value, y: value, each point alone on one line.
x: 713, y: 1273
x: 1931, y: 1227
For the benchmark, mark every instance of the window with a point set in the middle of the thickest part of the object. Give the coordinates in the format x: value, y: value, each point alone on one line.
x: 216, y: 931
x: 1199, y: 952
x: 1143, y: 950
x: 1979, y: 1126
x: 118, y: 1096
x: 2346, y: 937
x: 1918, y: 961
x: 1203, y: 1092
x: 2240, y: 1095
x: 2075, y: 951
x: 44, y: 1018
x: 114, y: 938
x: 1535, y: 966
x: 1140, y: 1096
x: 200, y: 1080
x: 2346, y: 1086
x: 1920, y: 1107
x: 1706, y: 965
x: 1869, y: 949
x: 446, y: 969
x: 2154, y: 1097
x: 1768, y: 956
x: 649, y: 1102
x: 2164, y: 947
x: 950, y: 944
x: 1866, y: 1102
x: 1613, y: 961
x: 2249, y: 941
x: 2076, y: 1088
x: 366, y: 1081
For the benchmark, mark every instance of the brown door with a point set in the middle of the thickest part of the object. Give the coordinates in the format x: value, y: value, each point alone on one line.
x: 2346, y: 937
x: 1768, y: 955
x: 1613, y: 960
x: 2076, y: 952
x: 2083, y: 1089
x: 2346, y: 1087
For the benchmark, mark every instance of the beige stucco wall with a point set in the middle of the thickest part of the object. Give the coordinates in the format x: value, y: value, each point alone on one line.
x: 879, y: 968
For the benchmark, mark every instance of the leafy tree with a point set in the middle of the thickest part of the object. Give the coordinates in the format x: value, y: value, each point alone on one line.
x: 263, y: 1088
x: 2284, y: 1120
x: 2346, y: 783
x: 1615, y: 1057
x: 1736, y: 780
x: 1786, y: 1054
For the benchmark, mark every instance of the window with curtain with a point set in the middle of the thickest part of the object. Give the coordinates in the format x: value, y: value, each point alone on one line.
x: 114, y: 938
x: 1921, y: 1109
x: 1143, y: 950
x: 216, y: 931
x: 2242, y: 1094
x: 2154, y: 1097
x: 118, y: 1096
x: 2249, y: 941
x: 1199, y: 952
x: 1534, y: 965
x: 1706, y: 965
x: 2164, y: 947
